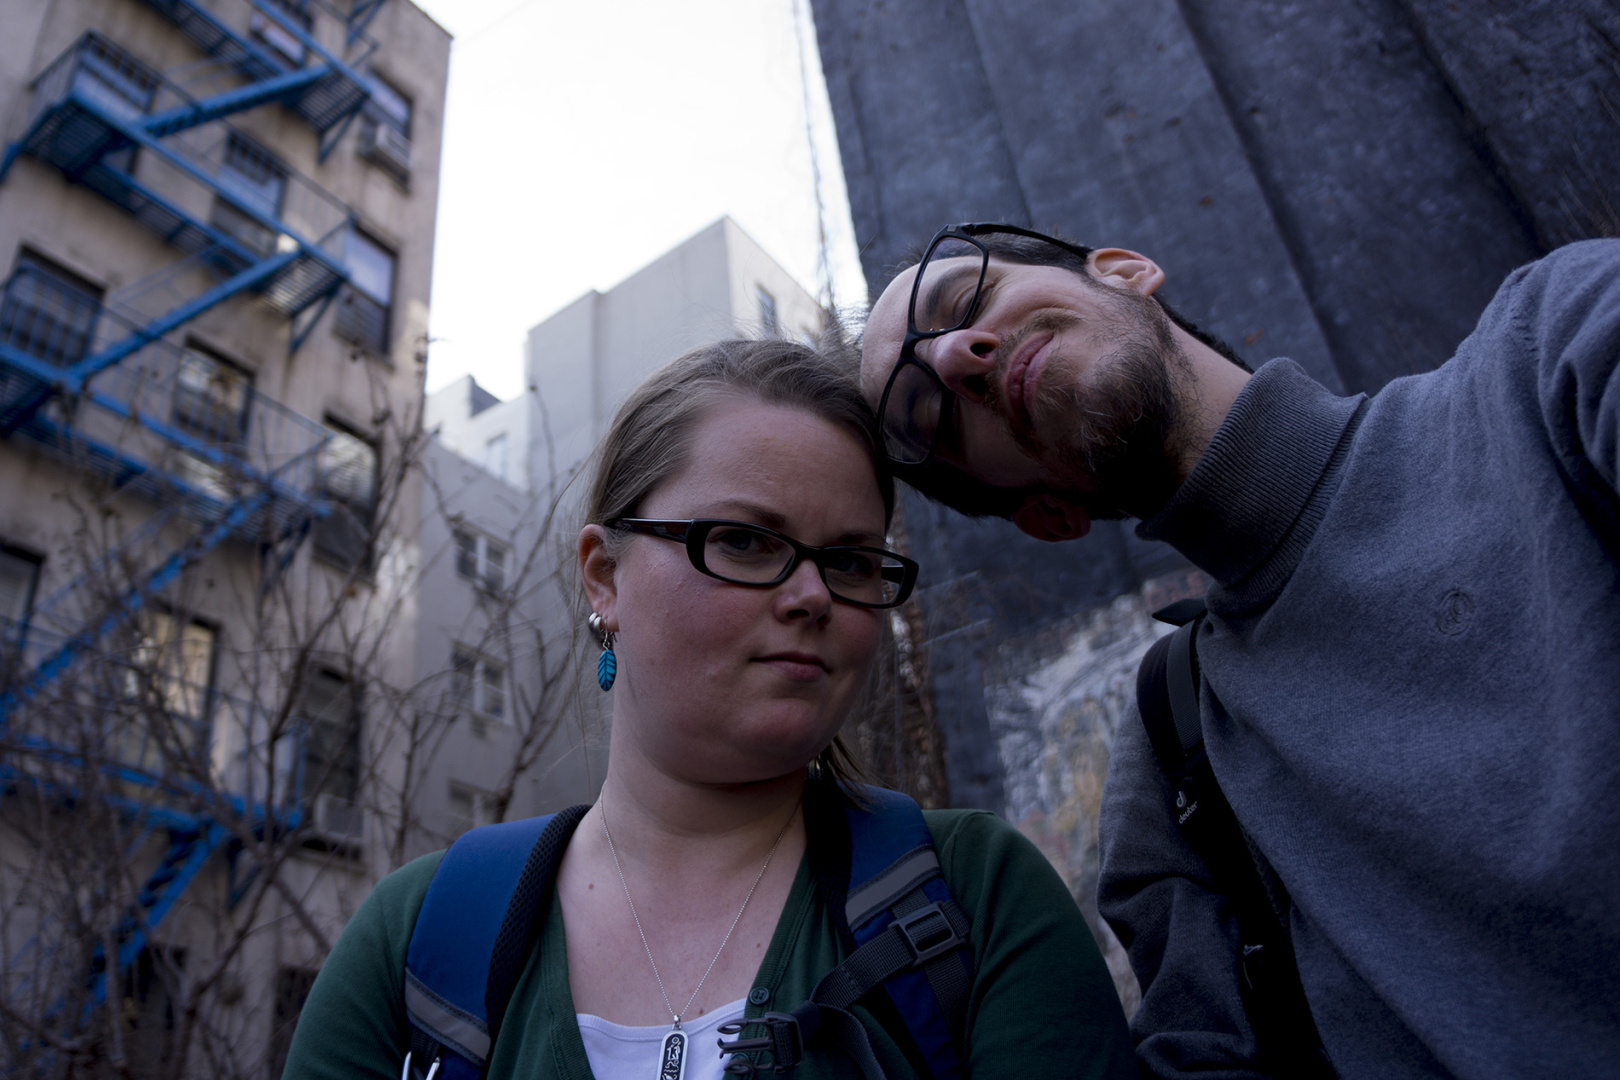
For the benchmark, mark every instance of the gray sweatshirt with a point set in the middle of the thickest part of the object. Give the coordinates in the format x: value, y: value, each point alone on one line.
x: 1411, y: 697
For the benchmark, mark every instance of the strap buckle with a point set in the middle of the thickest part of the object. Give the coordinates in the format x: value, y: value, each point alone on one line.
x: 928, y: 933
x: 783, y: 1040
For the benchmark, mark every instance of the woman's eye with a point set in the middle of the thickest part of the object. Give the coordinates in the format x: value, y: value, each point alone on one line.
x: 849, y: 564
x: 742, y: 543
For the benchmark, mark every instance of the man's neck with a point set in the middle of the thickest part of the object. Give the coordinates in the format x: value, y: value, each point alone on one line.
x: 1205, y: 396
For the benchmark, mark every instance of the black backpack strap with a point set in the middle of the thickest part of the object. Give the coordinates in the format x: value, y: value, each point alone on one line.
x: 1167, y: 693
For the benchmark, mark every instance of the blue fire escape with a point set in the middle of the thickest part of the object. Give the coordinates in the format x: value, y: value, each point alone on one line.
x: 101, y: 384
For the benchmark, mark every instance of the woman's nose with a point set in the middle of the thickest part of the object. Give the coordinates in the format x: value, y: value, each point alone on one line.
x: 804, y: 593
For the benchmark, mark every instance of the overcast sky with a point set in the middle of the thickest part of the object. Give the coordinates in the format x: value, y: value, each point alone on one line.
x: 584, y: 140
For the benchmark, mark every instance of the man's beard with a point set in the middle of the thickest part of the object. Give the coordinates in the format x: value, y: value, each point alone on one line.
x: 1115, y: 430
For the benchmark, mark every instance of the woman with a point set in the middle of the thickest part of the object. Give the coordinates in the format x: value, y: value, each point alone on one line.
x: 732, y: 560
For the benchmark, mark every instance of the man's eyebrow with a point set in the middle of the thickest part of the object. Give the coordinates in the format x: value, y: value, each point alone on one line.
x: 943, y: 282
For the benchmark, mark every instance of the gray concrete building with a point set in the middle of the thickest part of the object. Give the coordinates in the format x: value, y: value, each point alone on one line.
x: 580, y: 362
x: 216, y: 226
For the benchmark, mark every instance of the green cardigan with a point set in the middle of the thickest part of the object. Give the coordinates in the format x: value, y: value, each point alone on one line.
x: 1042, y: 1003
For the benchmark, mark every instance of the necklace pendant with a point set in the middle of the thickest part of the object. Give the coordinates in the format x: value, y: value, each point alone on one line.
x: 672, y: 1056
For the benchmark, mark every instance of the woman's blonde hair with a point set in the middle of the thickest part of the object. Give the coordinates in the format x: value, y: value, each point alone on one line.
x: 651, y: 435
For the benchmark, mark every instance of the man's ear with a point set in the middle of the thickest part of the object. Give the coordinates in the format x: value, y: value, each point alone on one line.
x: 596, y: 572
x: 1051, y: 518
x: 1126, y: 270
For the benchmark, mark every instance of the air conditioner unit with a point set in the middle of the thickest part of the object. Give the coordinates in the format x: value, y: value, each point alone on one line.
x: 385, y: 145
x: 338, y: 820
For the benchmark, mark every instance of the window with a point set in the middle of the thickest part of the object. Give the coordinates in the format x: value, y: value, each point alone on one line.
x: 48, y: 312
x: 767, y: 312
x: 19, y: 578
x: 389, y: 106
x: 481, y: 560
x: 292, y: 990
x: 172, y: 663
x: 120, y: 84
x: 469, y: 808
x: 385, y: 129
x: 331, y: 735
x: 363, y: 312
x: 114, y: 79
x: 277, y: 36
x: 211, y: 396
x: 478, y: 684
x: 170, y: 677
x: 348, y: 471
x: 495, y: 455
x: 150, y: 991
x: 255, y: 185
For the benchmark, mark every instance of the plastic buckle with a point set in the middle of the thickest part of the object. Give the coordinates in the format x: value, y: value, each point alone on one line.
x: 783, y: 1040
x: 928, y: 933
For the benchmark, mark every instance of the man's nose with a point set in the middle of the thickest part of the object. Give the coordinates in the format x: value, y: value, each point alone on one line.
x: 965, y: 360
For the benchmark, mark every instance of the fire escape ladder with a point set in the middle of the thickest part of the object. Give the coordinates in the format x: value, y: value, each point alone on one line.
x: 63, y: 656
x: 360, y: 15
x: 189, y: 849
x: 282, y: 88
x: 327, y: 101
x: 72, y: 381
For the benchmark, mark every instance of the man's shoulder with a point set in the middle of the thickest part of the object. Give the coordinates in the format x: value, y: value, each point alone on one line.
x: 1566, y: 285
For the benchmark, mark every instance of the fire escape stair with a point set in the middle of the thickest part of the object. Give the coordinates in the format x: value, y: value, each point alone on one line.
x: 334, y: 92
x: 76, y: 135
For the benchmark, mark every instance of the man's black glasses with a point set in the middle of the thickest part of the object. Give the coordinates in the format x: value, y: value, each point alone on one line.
x: 744, y: 554
x: 916, y: 405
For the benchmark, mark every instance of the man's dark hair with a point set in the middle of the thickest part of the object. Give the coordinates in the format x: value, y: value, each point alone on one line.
x: 1033, y: 252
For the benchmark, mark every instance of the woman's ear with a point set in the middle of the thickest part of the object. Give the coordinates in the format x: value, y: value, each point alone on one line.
x: 596, y: 571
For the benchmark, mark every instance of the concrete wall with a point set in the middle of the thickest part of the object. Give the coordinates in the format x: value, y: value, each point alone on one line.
x: 1342, y: 183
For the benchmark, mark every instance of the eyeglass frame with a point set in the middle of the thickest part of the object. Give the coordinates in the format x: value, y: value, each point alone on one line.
x: 968, y: 232
x: 697, y: 531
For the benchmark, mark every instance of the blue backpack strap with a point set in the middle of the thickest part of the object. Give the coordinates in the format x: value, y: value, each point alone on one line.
x: 910, y: 938
x: 479, y: 920
x: 898, y: 900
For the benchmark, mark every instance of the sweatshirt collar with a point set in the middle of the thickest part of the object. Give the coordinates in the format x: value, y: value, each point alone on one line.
x: 1253, y: 500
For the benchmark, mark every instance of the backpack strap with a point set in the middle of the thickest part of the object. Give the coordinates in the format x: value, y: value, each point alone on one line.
x: 910, y: 938
x: 1167, y: 696
x: 479, y: 920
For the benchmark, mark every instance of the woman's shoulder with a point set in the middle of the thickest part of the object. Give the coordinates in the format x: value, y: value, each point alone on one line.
x: 994, y: 869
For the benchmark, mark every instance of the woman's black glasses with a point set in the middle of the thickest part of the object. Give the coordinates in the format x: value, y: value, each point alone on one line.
x: 745, y: 554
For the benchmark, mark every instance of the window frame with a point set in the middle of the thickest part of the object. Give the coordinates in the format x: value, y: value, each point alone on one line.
x: 481, y: 558
x: 470, y: 671
x: 326, y: 543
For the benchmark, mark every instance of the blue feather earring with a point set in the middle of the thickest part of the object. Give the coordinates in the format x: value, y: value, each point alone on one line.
x: 607, y: 665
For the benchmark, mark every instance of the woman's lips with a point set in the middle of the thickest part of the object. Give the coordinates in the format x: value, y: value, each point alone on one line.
x: 800, y: 667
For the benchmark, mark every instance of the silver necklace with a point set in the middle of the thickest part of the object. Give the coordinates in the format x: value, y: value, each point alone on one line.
x: 672, y: 1052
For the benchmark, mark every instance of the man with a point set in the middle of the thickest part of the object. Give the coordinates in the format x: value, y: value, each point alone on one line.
x: 1410, y: 674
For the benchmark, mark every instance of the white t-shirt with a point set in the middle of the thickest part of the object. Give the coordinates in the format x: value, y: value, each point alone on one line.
x: 619, y: 1052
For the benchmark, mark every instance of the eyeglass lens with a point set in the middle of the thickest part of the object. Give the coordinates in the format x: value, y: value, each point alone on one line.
x: 751, y: 557
x: 947, y: 285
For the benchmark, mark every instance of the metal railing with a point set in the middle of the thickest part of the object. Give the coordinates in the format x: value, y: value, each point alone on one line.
x: 217, y: 437
x: 102, y: 79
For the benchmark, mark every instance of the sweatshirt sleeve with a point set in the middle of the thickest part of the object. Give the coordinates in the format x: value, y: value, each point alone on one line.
x: 1042, y: 1004
x: 353, y: 1025
x: 1569, y: 310
x: 1159, y: 897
